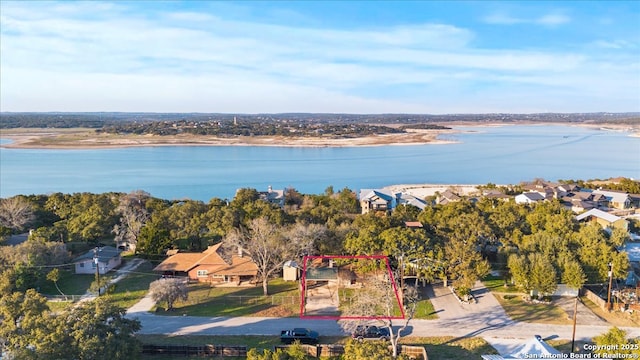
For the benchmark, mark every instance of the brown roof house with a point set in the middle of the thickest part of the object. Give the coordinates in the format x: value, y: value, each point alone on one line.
x: 210, y: 266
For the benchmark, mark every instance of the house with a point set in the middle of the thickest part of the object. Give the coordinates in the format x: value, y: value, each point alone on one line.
x: 605, y: 219
x: 446, y: 197
x: 275, y: 197
x: 616, y: 199
x: 377, y: 200
x: 408, y: 199
x: 496, y: 194
x: 210, y: 266
x: 385, y: 200
x: 529, y: 198
x: 106, y: 258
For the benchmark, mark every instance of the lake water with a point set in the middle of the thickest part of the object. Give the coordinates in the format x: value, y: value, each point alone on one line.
x: 501, y: 155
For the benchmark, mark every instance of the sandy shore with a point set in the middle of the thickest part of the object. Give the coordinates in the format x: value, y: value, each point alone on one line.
x: 423, y: 190
x: 89, y: 139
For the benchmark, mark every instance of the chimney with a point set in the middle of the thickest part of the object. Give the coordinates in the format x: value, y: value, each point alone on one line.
x: 239, y: 251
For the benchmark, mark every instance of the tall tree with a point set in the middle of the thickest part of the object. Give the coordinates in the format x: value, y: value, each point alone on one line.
x: 133, y: 215
x: 268, y: 247
x: 15, y: 212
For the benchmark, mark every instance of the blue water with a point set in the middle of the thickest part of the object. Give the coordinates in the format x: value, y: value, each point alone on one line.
x: 501, y: 155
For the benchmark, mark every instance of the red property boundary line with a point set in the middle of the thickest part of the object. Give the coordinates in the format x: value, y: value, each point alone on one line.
x: 303, y: 280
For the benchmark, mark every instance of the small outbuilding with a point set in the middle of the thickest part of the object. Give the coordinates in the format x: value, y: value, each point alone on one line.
x: 290, y: 271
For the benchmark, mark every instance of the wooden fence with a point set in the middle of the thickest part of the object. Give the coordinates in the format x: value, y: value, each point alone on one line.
x: 595, y: 298
x: 204, y: 350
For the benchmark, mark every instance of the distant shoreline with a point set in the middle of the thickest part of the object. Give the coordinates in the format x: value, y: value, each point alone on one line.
x: 84, y: 138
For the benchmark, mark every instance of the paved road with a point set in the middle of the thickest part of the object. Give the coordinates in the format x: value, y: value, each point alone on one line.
x: 484, y: 319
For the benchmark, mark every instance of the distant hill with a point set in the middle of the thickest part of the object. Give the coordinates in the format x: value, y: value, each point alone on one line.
x: 102, y: 119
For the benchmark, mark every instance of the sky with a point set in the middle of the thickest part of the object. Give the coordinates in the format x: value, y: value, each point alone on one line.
x: 364, y: 57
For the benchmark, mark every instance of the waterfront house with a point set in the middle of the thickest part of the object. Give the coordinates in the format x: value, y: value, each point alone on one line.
x: 385, y: 200
x: 272, y: 196
x: 211, y: 266
x: 106, y: 258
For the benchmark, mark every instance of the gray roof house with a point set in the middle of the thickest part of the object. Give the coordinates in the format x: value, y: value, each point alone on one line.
x: 106, y: 258
x: 384, y: 200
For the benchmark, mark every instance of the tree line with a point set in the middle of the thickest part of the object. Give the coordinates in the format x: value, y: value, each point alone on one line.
x: 459, y: 242
x: 535, y: 246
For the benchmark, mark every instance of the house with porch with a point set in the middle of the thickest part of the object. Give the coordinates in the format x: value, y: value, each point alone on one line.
x: 211, y: 266
x: 105, y: 258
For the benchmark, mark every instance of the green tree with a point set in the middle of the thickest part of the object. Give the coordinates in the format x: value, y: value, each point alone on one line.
x: 154, y: 238
x: 292, y: 352
x: 22, y: 318
x: 543, y: 274
x: 612, y: 342
x: 573, y: 275
x: 520, y: 269
x: 189, y: 222
x: 54, y: 276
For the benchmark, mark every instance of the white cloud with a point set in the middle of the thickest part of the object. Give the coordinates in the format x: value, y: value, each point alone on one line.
x: 123, y: 60
x: 552, y: 19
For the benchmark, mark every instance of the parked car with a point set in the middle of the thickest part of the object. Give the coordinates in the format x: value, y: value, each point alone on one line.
x: 370, y: 332
x: 305, y: 336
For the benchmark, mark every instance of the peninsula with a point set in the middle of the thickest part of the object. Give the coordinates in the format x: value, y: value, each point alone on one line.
x: 114, y: 130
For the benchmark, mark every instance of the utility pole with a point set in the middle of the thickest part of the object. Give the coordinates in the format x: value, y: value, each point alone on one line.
x: 610, y: 283
x: 96, y: 262
x: 575, y: 317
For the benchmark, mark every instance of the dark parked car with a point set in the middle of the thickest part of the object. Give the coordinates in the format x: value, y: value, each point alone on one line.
x: 370, y: 332
x: 305, y: 336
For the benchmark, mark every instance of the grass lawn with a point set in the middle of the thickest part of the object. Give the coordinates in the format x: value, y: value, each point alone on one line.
x: 134, y: 286
x: 70, y: 283
x: 204, y: 300
x: 441, y: 348
x: 450, y: 348
x: 496, y: 284
x: 519, y: 310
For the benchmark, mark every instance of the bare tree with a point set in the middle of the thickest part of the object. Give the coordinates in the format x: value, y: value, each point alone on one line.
x: 269, y: 246
x: 133, y: 216
x: 168, y: 290
x: 377, y: 300
x: 15, y: 212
